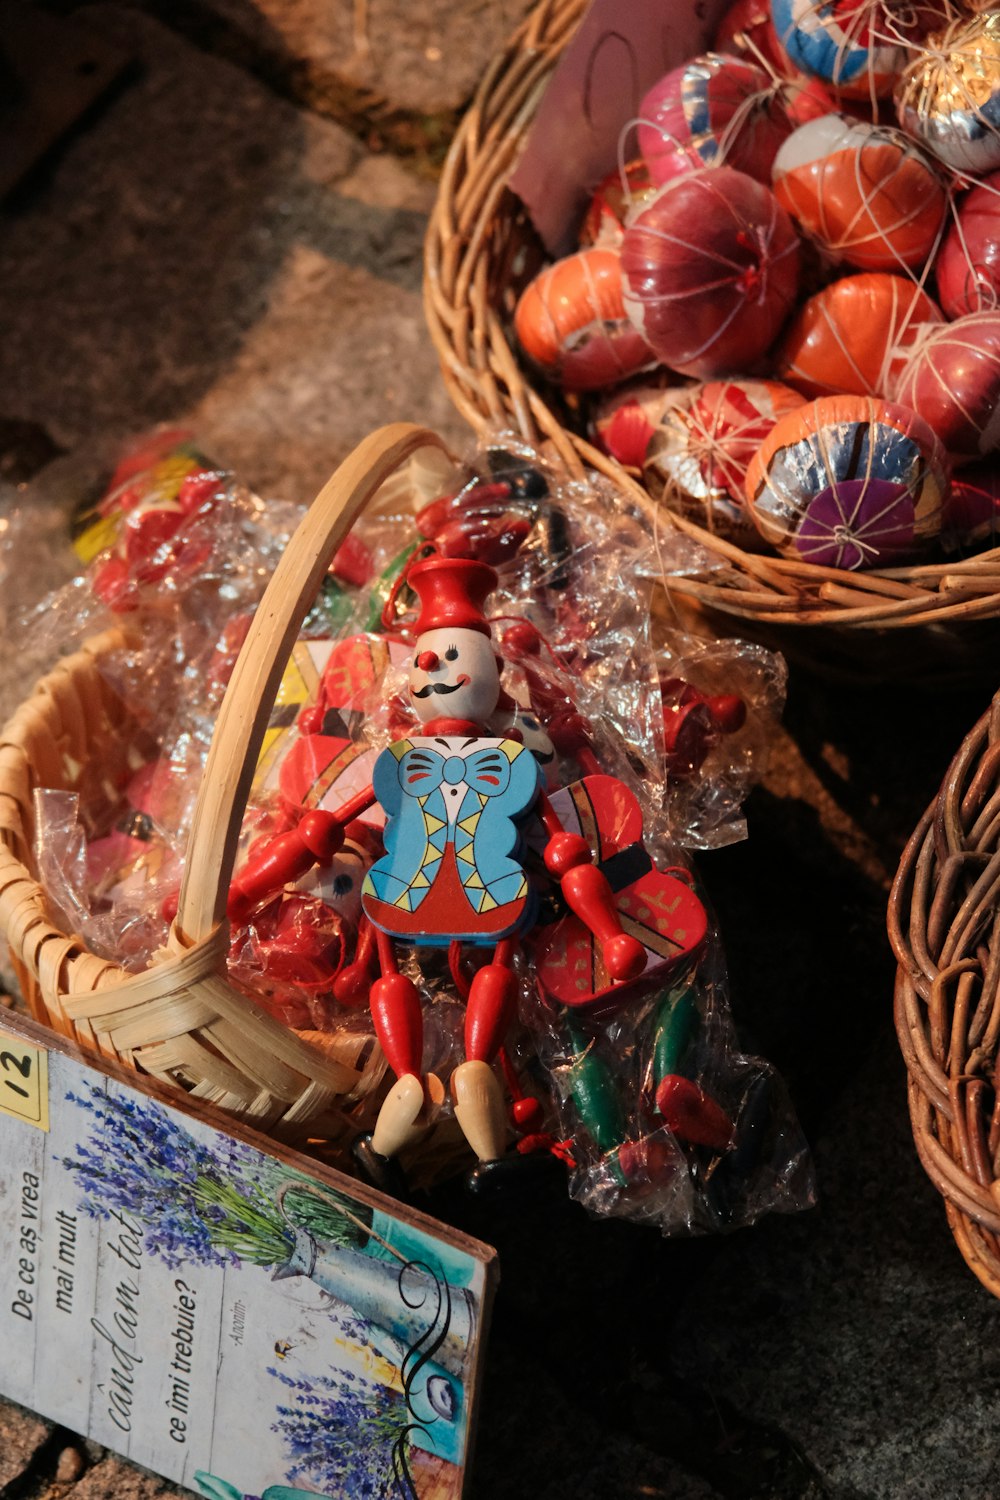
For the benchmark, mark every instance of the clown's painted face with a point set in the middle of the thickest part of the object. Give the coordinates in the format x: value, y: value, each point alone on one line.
x: 453, y: 674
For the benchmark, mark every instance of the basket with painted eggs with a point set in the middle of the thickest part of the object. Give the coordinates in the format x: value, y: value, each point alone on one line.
x: 745, y: 259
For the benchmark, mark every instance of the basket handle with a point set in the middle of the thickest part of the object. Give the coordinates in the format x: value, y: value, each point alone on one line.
x: 246, y: 707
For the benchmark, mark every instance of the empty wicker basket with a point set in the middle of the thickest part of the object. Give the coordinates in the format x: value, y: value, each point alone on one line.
x: 480, y: 252
x: 944, y: 924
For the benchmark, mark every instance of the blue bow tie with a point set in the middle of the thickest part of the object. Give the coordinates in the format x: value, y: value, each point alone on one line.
x: 422, y: 771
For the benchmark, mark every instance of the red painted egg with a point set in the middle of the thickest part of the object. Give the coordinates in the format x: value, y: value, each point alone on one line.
x: 971, y: 519
x: 849, y: 482
x: 710, y: 271
x: 724, y: 108
x: 968, y: 263
x: 697, y: 459
x: 953, y: 379
x: 747, y: 31
x: 857, y: 46
x: 854, y: 336
x: 864, y: 193
x: 572, y: 323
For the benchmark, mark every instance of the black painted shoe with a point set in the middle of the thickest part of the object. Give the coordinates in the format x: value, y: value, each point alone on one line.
x: 531, y: 1174
x: 382, y: 1172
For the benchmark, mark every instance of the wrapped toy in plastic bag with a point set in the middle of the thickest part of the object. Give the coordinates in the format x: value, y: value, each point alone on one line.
x: 461, y: 839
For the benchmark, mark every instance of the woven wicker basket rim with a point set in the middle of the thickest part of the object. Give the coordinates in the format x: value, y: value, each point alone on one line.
x: 473, y: 213
x: 944, y: 927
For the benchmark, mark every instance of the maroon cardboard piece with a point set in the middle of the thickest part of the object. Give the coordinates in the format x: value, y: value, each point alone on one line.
x: 621, y: 49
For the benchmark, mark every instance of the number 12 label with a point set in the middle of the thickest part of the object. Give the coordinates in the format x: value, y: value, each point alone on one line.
x: 24, y: 1081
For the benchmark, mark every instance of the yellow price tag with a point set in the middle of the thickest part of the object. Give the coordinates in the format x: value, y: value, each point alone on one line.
x: 24, y: 1082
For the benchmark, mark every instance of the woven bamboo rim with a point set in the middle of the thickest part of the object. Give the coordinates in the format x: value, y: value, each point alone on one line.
x: 180, y: 1021
x: 480, y: 252
x: 944, y: 925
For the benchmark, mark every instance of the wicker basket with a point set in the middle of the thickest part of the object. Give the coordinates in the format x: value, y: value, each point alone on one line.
x: 181, y: 1021
x: 481, y: 251
x: 944, y: 925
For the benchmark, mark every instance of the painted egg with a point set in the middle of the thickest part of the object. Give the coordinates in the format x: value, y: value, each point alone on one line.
x: 949, y: 96
x: 571, y: 321
x: 849, y: 482
x: 614, y: 200
x: 698, y: 457
x: 625, y: 421
x: 971, y: 519
x: 864, y: 193
x: 848, y: 43
x: 746, y: 30
x: 968, y: 264
x: 854, y: 336
x: 710, y: 270
x: 953, y: 380
x: 723, y: 108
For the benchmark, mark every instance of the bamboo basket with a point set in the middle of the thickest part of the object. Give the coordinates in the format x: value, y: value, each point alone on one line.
x: 481, y: 251
x: 180, y: 1021
x: 944, y: 925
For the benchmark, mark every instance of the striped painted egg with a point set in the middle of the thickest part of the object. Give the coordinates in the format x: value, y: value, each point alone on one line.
x: 849, y: 482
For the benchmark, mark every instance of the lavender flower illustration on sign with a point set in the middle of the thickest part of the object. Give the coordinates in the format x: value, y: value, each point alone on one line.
x: 342, y: 1433
x: 218, y: 1204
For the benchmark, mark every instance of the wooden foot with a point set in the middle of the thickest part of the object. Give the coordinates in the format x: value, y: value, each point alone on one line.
x: 403, y: 1117
x: 479, y: 1109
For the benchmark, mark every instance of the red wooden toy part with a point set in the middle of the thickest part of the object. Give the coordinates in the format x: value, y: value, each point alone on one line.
x: 660, y: 911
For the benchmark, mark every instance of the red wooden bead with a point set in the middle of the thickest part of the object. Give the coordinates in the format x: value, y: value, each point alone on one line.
x: 526, y: 1111
x: 321, y: 833
x: 565, y: 852
x: 692, y: 1115
x: 521, y: 639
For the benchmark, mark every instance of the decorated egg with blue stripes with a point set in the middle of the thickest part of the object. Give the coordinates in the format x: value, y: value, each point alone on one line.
x: 849, y: 482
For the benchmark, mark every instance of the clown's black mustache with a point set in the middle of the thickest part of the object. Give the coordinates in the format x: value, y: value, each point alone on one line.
x: 436, y: 687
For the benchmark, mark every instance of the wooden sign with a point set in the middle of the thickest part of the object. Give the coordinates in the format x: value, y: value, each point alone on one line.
x: 230, y: 1314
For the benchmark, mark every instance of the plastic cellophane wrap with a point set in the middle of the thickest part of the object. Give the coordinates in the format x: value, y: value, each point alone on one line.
x: 178, y: 553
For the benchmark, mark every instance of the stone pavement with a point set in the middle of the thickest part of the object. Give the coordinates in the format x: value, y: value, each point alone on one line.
x: 845, y: 1353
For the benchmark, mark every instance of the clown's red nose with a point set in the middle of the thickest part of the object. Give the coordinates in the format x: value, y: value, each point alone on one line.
x: 427, y: 661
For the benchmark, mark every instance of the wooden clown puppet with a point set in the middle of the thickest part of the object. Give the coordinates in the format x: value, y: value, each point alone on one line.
x: 456, y: 797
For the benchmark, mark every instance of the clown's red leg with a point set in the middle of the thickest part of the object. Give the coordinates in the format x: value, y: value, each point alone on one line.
x: 491, y: 1007
x: 395, y: 1007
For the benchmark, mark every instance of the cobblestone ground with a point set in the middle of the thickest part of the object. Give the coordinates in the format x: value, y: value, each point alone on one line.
x: 842, y: 1353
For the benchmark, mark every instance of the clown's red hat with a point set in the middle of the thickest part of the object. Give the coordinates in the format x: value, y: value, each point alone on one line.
x: 452, y: 592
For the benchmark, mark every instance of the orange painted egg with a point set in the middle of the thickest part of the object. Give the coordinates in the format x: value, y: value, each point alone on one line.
x: 854, y: 336
x: 614, y: 199
x: 864, y: 193
x: 571, y: 321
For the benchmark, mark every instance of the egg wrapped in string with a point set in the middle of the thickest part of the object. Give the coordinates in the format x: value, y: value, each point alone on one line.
x: 953, y: 379
x: 697, y: 458
x: 710, y: 271
x: 949, y: 95
x: 849, y: 482
x: 854, y: 336
x: 967, y: 268
x: 864, y: 193
x: 571, y: 322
